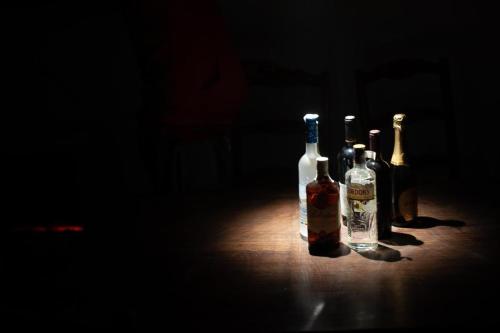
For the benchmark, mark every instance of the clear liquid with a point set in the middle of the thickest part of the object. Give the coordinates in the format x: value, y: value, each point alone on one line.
x: 303, y: 218
x: 307, y: 173
x: 362, y: 214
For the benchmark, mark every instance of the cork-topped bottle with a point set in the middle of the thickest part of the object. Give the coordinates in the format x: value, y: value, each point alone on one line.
x: 404, y: 185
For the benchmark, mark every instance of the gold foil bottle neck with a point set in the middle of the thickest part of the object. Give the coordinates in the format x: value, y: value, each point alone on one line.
x: 397, y: 120
x: 398, y: 153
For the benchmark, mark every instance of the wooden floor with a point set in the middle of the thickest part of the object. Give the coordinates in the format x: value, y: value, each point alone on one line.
x: 234, y: 261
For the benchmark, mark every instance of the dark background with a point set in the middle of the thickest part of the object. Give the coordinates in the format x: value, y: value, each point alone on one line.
x: 83, y: 97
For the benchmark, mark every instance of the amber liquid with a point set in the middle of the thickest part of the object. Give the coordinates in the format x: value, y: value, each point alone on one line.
x: 323, y: 216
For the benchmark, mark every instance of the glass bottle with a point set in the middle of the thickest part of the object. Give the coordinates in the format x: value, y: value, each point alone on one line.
x: 345, y: 162
x: 404, y: 184
x: 323, y: 211
x: 361, y: 194
x: 307, y: 168
x: 376, y: 162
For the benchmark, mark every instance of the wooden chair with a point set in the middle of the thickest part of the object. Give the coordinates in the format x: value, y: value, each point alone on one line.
x: 408, y: 69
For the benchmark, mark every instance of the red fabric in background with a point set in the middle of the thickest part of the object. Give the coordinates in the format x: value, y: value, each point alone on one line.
x: 205, y: 81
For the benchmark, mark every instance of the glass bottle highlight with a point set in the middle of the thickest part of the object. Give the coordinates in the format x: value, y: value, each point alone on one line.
x: 307, y: 168
x: 362, y: 199
x: 323, y: 211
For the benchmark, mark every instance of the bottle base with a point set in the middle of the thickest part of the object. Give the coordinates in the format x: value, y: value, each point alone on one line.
x: 402, y: 223
x: 363, y: 246
x: 387, y: 234
x: 324, y: 250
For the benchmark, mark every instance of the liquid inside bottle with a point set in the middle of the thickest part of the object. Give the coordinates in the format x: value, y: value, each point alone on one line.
x: 362, y: 198
x: 307, y: 168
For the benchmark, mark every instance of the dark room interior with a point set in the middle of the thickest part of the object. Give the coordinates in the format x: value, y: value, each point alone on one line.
x: 150, y: 169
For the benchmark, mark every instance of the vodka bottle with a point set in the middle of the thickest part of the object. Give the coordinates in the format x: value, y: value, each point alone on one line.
x: 362, y: 198
x: 307, y: 168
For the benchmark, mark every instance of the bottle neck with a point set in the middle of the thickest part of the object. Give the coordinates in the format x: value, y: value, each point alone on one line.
x: 322, y: 172
x: 359, y: 162
x: 398, y: 155
x: 350, y: 136
x: 312, y: 149
x: 349, y: 143
x: 374, y: 147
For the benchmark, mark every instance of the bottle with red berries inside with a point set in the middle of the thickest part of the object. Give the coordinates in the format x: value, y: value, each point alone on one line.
x: 323, y: 228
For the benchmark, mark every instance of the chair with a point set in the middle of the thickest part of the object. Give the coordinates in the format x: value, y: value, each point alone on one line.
x: 403, y: 70
x: 278, y: 79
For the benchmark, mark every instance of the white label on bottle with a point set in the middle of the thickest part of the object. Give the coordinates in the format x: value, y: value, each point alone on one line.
x: 344, y: 204
x: 361, y: 192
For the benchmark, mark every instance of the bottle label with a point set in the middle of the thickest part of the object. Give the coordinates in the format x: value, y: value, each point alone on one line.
x: 344, y: 203
x: 361, y: 192
x: 408, y: 206
x: 323, y: 222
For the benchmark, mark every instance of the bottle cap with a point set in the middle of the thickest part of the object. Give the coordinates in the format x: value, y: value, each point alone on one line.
x: 322, y: 165
x: 373, y: 139
x: 350, y: 118
x: 359, y: 152
x: 311, y: 117
x: 397, y: 120
x: 349, y: 122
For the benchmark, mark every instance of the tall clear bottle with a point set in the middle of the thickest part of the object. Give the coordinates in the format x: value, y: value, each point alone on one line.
x: 376, y: 162
x: 307, y: 168
x: 403, y: 178
x: 345, y: 162
x: 362, y: 198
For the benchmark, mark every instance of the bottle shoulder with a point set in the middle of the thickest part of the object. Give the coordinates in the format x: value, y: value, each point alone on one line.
x: 377, y: 165
x: 360, y: 175
x: 308, y: 160
x: 345, y: 152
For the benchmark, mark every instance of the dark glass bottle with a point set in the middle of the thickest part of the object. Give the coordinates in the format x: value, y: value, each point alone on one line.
x: 382, y: 169
x: 323, y: 226
x: 404, y: 184
x: 345, y: 162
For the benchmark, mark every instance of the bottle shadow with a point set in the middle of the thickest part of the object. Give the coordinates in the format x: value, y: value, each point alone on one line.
x: 424, y: 222
x: 401, y: 239
x: 383, y: 253
x: 341, y: 251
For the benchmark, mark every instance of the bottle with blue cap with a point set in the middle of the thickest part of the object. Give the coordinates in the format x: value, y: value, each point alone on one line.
x: 307, y: 168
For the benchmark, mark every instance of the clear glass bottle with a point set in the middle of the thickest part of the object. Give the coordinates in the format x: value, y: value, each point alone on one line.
x: 307, y: 168
x: 362, y: 198
x: 323, y: 212
x: 345, y: 162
